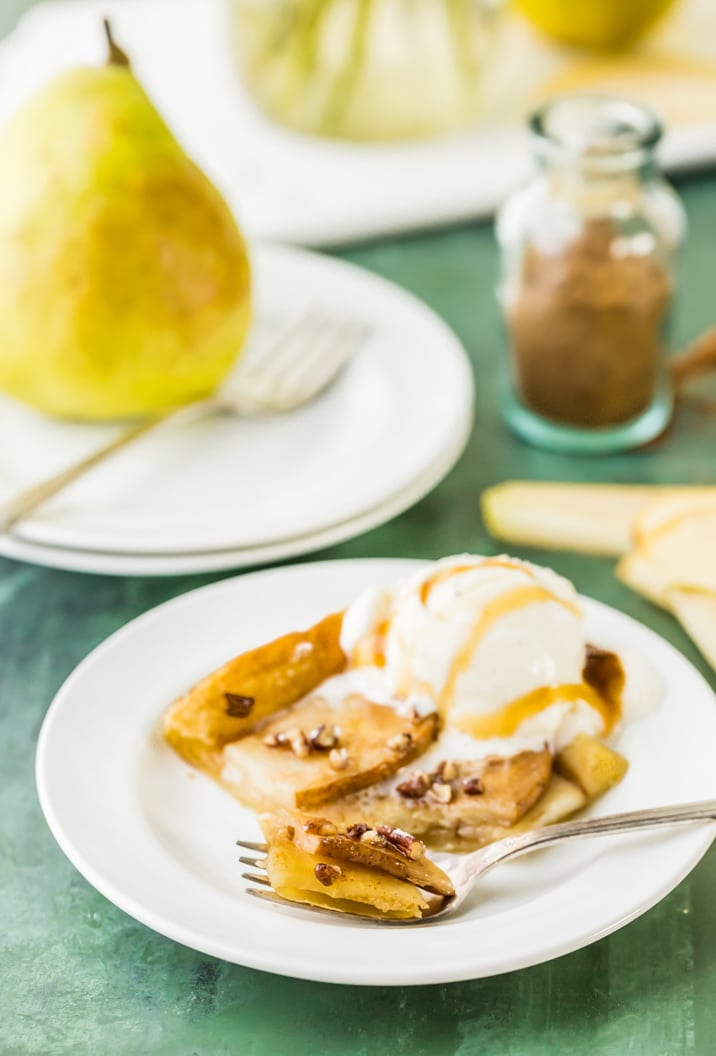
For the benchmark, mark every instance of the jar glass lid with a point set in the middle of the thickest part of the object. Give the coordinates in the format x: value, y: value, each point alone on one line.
x: 595, y: 128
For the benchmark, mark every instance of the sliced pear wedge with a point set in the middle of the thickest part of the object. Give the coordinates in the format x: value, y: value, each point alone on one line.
x: 392, y: 851
x: 678, y: 552
x: 228, y: 703
x: 642, y: 574
x: 278, y: 767
x: 696, y: 611
x: 674, y: 562
x: 588, y: 518
x: 344, y: 886
x: 591, y: 764
x: 664, y: 512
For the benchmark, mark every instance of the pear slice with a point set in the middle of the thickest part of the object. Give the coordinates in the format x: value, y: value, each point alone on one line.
x: 664, y: 511
x: 696, y: 611
x: 674, y: 562
x: 229, y: 702
x: 644, y: 576
x: 591, y: 764
x: 279, y: 766
x: 461, y: 802
x: 395, y: 852
x: 562, y: 798
x: 678, y: 551
x: 589, y: 518
x: 318, y: 880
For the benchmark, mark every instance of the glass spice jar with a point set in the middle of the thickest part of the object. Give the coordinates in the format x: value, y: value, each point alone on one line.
x: 588, y: 254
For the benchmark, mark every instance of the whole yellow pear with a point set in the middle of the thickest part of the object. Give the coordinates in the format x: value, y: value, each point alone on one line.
x: 594, y: 23
x: 124, y: 279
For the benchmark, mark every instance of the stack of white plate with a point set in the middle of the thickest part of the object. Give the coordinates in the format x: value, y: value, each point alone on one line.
x: 230, y: 492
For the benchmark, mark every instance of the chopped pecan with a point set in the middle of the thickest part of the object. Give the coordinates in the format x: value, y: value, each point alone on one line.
x: 471, y: 832
x: 238, y: 706
x: 415, y: 785
x: 327, y: 874
x: 324, y: 737
x: 373, y: 838
x: 320, y: 827
x: 276, y: 740
x: 472, y: 786
x: 338, y: 759
x: 441, y: 791
x: 446, y: 771
x: 404, y: 842
x: 401, y: 742
x: 356, y: 831
x: 299, y: 743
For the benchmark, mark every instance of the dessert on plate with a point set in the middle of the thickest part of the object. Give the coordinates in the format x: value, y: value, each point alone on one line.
x: 448, y: 710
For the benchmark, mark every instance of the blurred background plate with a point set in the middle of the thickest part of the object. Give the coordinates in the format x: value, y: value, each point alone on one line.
x: 396, y: 417
x: 303, y: 189
x: 220, y: 560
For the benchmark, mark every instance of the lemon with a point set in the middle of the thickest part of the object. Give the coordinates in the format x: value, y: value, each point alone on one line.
x: 594, y: 23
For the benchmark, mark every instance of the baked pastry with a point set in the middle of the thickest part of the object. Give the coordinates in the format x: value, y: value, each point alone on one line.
x: 459, y: 707
x: 372, y: 872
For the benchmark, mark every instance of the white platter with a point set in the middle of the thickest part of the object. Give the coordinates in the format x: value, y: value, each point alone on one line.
x: 303, y: 189
x: 110, y: 564
x: 157, y: 839
x: 399, y: 413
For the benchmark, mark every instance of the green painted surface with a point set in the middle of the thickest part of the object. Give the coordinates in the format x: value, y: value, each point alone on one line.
x: 79, y: 977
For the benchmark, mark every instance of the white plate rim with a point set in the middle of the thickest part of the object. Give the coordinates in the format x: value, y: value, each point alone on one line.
x: 694, y: 844
x: 277, y: 259
x: 117, y: 564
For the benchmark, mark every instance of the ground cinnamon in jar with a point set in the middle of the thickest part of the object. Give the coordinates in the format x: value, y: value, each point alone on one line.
x: 586, y: 326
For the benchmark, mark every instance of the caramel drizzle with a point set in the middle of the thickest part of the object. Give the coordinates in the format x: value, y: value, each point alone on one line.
x: 506, y: 721
x: 494, y: 610
x: 370, y: 651
x: 444, y: 574
x: 601, y: 689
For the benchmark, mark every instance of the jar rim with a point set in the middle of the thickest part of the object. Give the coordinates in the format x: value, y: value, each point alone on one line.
x: 603, y: 130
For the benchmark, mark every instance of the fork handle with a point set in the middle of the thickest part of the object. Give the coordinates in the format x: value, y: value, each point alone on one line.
x: 511, y: 846
x: 23, y: 503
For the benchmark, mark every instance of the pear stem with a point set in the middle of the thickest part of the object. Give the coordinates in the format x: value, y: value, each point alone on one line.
x: 115, y: 56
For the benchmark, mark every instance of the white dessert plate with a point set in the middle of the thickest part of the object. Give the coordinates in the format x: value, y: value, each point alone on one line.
x: 157, y: 838
x: 233, y: 483
x: 109, y: 564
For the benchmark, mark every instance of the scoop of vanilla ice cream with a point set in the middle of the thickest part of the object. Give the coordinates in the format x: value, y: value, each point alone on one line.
x: 472, y: 635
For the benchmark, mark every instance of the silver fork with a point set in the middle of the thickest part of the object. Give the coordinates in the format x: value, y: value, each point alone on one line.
x: 465, y: 869
x: 287, y: 372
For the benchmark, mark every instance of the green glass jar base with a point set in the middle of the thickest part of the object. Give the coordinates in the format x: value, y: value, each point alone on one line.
x: 567, y: 439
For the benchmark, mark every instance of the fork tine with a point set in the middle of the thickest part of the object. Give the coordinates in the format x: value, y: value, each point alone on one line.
x: 258, y: 863
x: 257, y: 878
x: 301, y: 345
x: 277, y: 900
x: 323, y: 357
x: 317, y: 365
x: 315, y: 333
x: 270, y: 361
x: 285, y: 903
x: 299, y: 363
x: 250, y: 846
x: 328, y: 344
